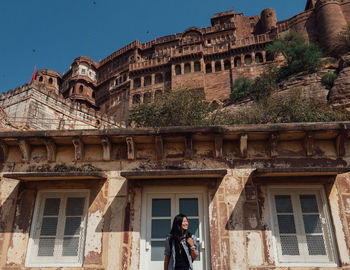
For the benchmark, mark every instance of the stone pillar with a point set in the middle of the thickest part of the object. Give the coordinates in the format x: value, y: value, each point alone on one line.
x: 213, y: 66
x: 222, y: 64
x: 182, y: 68
x: 264, y: 56
x: 173, y: 70
x: 132, y: 84
x: 142, y: 81
x: 8, y: 199
x: 242, y: 60
x: 153, y: 78
x: 192, y: 66
x: 253, y: 58
x: 202, y: 65
x: 117, y: 201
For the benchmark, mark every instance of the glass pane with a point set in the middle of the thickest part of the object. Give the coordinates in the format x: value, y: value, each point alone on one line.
x: 52, y: 206
x: 157, y: 251
x: 312, y: 224
x: 289, y: 245
x: 189, y: 207
x: 75, y: 206
x: 194, y: 226
x: 49, y: 226
x: 286, y: 224
x: 46, y: 246
x: 72, y: 226
x: 160, y: 228
x: 70, y: 246
x: 315, y: 245
x: 283, y: 204
x: 308, y: 203
x: 161, y: 208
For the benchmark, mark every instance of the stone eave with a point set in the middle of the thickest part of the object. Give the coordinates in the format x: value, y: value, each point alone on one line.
x: 183, y: 130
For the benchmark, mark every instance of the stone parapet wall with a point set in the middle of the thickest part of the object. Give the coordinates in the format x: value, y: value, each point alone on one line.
x: 35, y: 107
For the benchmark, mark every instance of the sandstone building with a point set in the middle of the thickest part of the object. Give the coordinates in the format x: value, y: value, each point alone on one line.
x: 209, y: 59
x: 80, y: 191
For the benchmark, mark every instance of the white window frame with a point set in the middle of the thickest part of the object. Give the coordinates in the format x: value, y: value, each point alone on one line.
x: 318, y: 190
x: 32, y: 260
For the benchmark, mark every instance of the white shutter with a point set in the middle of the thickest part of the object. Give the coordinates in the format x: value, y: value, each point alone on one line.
x: 57, y: 234
x: 300, y: 236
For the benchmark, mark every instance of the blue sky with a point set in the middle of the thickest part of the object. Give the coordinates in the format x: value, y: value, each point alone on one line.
x: 50, y: 34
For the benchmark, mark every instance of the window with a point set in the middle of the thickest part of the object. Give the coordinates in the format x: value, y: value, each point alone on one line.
x: 148, y: 80
x: 248, y: 60
x: 197, y: 66
x: 50, y: 81
x: 259, y: 58
x: 217, y: 66
x: 237, y: 61
x: 178, y: 70
x: 187, y: 68
x: 158, y: 78
x: 58, y: 228
x: 83, y: 70
x: 81, y: 89
x: 301, y: 226
x: 208, y: 68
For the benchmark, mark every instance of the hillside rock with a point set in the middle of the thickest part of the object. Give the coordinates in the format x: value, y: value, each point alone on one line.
x: 339, y: 95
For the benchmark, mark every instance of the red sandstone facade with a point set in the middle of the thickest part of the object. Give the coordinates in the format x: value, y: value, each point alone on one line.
x: 209, y: 59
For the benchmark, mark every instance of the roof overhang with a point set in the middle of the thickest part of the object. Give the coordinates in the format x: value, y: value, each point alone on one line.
x: 169, y: 174
x: 53, y: 176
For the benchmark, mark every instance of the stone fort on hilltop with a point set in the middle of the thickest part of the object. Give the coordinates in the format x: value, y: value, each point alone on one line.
x: 209, y: 59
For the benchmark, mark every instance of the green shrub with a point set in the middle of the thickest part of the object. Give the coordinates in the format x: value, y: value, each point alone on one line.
x: 300, y: 56
x: 241, y: 88
x: 328, y: 80
x: 264, y: 85
x: 287, y: 109
x: 173, y: 108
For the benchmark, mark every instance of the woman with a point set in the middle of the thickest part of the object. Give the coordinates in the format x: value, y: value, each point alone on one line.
x: 180, y: 246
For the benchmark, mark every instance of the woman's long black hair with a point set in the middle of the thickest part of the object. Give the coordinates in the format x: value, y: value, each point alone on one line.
x: 177, y: 233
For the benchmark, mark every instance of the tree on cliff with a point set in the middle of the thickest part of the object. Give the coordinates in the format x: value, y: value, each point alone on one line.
x: 299, y: 55
x: 173, y: 108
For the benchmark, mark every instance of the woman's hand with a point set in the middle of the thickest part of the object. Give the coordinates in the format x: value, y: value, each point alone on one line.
x: 193, y: 250
x: 190, y: 241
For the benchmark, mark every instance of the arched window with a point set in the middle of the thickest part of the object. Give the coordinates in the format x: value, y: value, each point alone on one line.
x: 217, y: 66
x: 227, y: 64
x: 136, y: 99
x: 50, y: 81
x: 197, y: 66
x: 148, y: 80
x: 41, y: 78
x: 259, y: 58
x: 248, y: 60
x: 159, y: 78
x: 237, y: 61
x: 147, y: 97
x: 116, y: 81
x: 93, y: 94
x: 137, y: 83
x: 81, y: 89
x: 178, y: 70
x: 124, y: 78
x: 208, y: 68
x: 187, y: 68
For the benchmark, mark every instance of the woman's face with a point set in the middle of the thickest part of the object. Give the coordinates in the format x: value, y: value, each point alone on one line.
x: 184, y: 224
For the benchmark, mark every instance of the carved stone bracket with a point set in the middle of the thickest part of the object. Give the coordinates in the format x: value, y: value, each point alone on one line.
x: 106, y: 146
x: 79, y: 148
x: 25, y: 149
x: 5, y: 149
x: 188, y: 147
x: 159, y: 147
x: 340, y: 144
x: 131, y: 147
x: 309, y: 144
x: 244, y: 145
x: 273, y: 142
x: 51, y: 150
x: 218, y: 145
